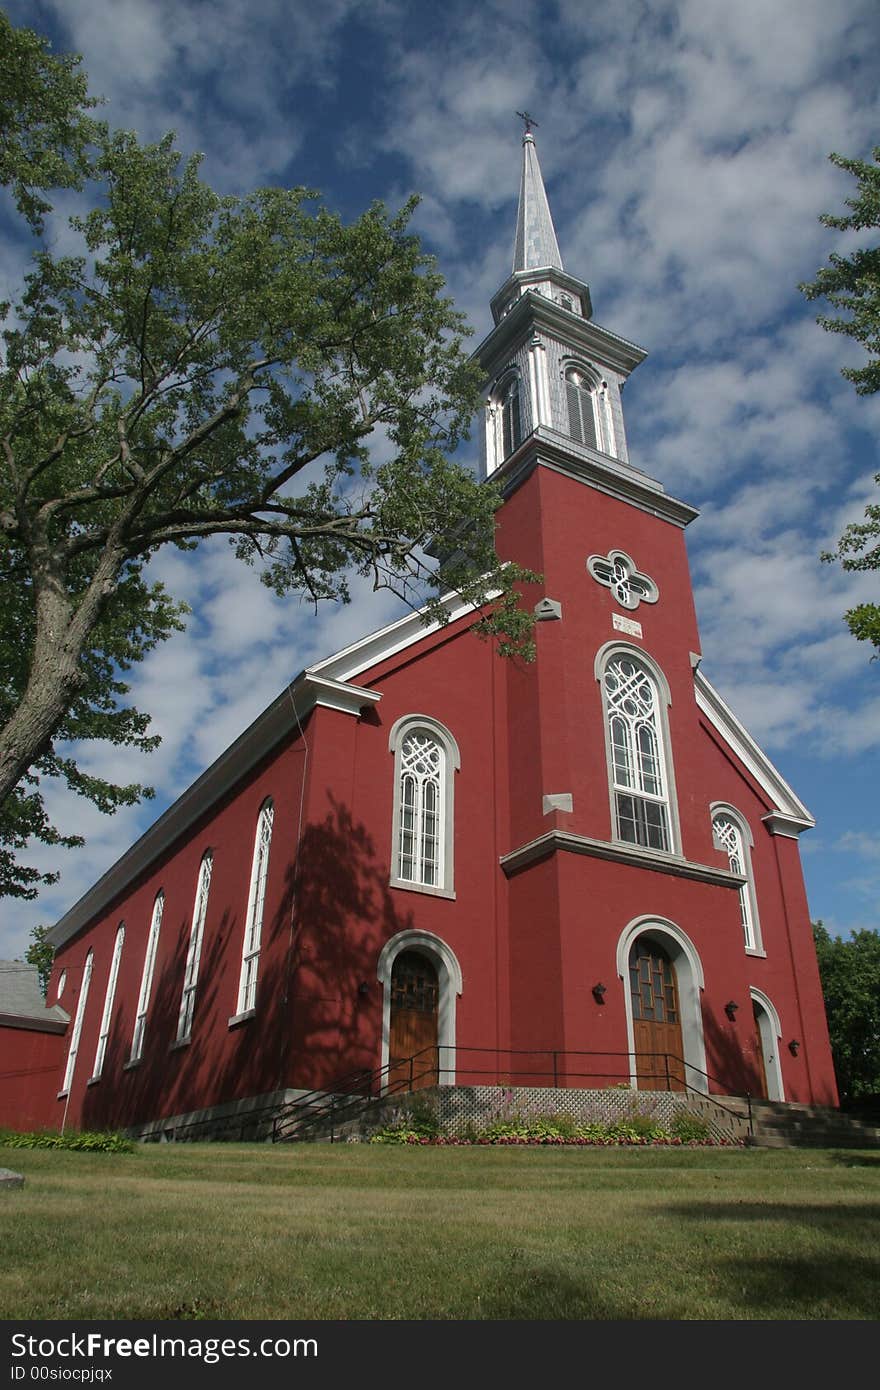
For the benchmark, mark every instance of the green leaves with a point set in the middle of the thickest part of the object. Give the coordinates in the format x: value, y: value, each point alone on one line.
x: 250, y: 367
x: 850, y: 972
x: 852, y: 284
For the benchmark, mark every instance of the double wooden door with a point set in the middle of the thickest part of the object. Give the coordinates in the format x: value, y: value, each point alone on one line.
x: 656, y: 1018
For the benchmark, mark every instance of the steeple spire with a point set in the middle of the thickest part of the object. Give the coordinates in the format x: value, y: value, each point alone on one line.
x: 536, y: 244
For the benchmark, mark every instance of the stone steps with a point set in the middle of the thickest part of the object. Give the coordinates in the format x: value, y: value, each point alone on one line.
x: 779, y: 1124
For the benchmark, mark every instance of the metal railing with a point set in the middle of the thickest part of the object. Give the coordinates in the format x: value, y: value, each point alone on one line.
x: 351, y: 1096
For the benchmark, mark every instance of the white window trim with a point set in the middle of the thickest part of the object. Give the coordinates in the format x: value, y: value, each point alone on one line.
x: 452, y: 763
x: 495, y: 454
x: 771, y: 1036
x: 602, y: 416
x: 109, y: 997
x: 73, y: 1050
x: 748, y: 893
x: 449, y: 979
x: 690, y: 980
x: 605, y: 654
x: 140, y: 1022
x: 194, y: 950
x: 253, y: 922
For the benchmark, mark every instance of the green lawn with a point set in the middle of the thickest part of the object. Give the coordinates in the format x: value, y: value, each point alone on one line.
x: 359, y: 1231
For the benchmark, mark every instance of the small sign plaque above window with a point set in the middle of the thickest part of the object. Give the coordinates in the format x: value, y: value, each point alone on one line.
x: 622, y: 624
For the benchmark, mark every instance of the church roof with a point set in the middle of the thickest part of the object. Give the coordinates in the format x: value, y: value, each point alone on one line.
x: 21, y: 997
x: 535, y: 244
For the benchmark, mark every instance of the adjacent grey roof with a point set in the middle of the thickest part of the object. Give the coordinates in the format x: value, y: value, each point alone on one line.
x: 21, y: 996
x: 536, y: 244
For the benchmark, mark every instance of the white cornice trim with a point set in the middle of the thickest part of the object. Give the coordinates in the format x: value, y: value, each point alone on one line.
x: 339, y: 695
x: 564, y: 840
x: 615, y: 478
x: 789, y: 815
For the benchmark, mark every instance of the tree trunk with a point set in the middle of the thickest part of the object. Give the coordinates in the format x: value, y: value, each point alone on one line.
x: 62, y: 631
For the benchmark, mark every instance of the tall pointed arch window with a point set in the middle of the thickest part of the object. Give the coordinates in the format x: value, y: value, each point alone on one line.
x: 581, y: 404
x: 140, y: 1022
x: 732, y: 836
x: 639, y: 766
x: 73, y: 1050
x: 194, y: 952
x: 425, y: 759
x: 109, y: 998
x: 253, y: 928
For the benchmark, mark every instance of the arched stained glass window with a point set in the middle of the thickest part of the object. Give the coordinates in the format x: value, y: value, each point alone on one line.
x: 109, y: 997
x: 193, y: 955
x: 426, y: 756
x: 731, y: 836
x: 250, y: 960
x: 140, y: 1022
x: 73, y: 1050
x: 638, y: 774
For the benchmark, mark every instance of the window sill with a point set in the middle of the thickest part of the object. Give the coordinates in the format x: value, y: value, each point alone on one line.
x: 409, y: 887
x: 756, y: 951
x: 62, y: 1095
x: 241, y: 1018
x: 179, y: 1043
x: 132, y: 1063
x: 93, y: 1080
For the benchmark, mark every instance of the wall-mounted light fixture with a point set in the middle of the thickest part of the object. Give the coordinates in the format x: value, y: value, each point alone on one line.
x: 730, y: 1009
x: 794, y: 1047
x: 599, y: 993
x: 363, y: 989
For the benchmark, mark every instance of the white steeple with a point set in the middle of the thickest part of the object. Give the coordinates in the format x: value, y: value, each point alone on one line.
x: 535, y: 244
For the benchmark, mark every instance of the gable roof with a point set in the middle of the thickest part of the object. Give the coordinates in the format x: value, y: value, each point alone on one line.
x: 21, y: 997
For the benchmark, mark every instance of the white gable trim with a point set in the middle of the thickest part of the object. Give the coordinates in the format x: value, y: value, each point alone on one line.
x: 788, y: 810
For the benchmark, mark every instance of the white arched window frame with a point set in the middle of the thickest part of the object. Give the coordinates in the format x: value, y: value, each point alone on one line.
x: 73, y: 1050
x: 635, y: 698
x: 732, y: 836
x: 194, y: 952
x: 253, y: 929
x: 587, y: 408
x: 426, y: 758
x: 140, y: 1022
x: 109, y: 997
x: 504, y: 419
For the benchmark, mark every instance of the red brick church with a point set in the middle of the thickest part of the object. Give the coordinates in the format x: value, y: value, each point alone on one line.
x: 584, y: 865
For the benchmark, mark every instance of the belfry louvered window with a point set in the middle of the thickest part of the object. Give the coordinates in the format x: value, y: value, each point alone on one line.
x: 511, y: 417
x: 193, y: 955
x: 250, y: 960
x: 425, y: 760
x: 140, y: 1022
x: 638, y: 774
x: 580, y: 400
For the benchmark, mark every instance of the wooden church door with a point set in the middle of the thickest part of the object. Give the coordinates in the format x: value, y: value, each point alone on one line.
x: 656, y: 1018
x: 415, y: 994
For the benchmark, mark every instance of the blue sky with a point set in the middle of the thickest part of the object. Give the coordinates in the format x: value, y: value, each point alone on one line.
x: 684, y: 146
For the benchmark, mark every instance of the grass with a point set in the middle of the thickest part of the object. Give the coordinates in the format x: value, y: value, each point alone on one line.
x: 367, y: 1232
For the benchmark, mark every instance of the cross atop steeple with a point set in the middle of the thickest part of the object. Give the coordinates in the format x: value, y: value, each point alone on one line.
x: 535, y: 245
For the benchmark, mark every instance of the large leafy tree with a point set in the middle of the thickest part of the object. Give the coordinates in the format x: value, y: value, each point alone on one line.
x: 851, y: 285
x: 850, y: 973
x: 252, y: 368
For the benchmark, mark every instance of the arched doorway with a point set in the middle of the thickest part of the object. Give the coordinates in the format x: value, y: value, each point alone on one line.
x: 434, y: 951
x: 413, y: 1033
x: 768, y: 1033
x: 656, y: 1017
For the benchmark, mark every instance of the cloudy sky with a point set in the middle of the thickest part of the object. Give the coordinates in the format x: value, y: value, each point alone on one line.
x: 684, y: 146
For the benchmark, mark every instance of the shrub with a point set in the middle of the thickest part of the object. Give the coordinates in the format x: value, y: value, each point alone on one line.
x: 689, y: 1127
x: 91, y: 1141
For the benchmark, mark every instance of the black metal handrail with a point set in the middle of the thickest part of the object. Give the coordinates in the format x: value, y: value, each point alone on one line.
x: 340, y: 1101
